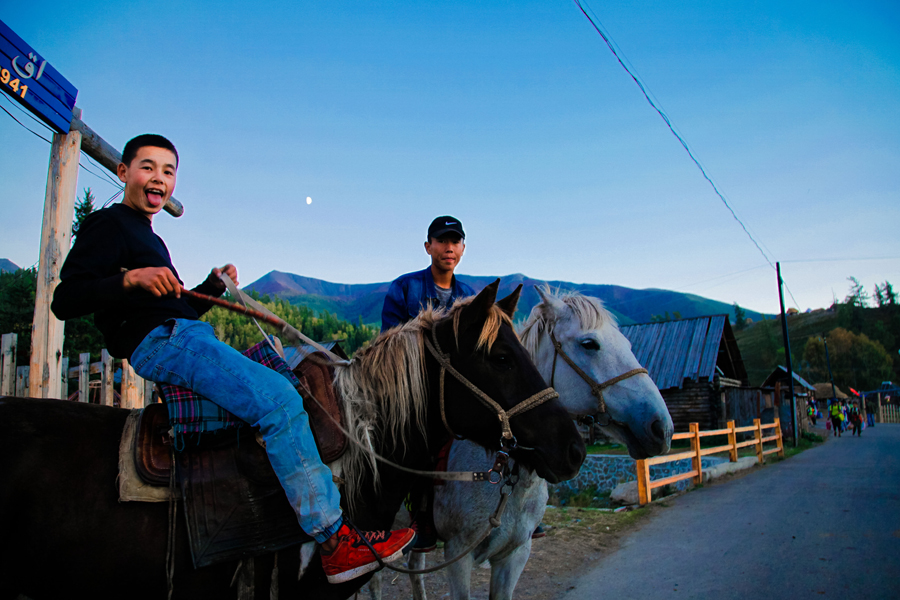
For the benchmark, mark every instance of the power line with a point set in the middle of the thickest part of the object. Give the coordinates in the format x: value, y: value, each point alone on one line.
x: 662, y: 114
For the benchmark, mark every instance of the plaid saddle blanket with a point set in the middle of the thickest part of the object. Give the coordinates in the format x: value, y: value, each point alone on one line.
x: 191, y: 413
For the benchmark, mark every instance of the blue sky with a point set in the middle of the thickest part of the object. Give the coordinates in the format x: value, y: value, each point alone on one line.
x: 512, y: 116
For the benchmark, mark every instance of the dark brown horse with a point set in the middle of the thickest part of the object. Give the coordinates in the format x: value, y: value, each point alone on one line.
x: 63, y: 531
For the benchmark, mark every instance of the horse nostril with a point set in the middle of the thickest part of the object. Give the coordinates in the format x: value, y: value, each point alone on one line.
x: 577, y: 453
x: 657, y: 429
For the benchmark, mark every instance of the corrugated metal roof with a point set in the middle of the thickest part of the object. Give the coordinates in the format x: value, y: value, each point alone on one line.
x: 677, y: 350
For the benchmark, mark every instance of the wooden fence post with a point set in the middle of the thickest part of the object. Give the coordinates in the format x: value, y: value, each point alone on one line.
x: 780, y: 440
x: 732, y: 441
x: 21, y: 381
x: 107, y: 386
x: 84, y: 377
x: 64, y: 377
x: 8, y: 364
x: 697, y: 458
x: 759, y: 447
x: 125, y: 397
x: 59, y: 208
x: 880, y: 410
x: 643, y: 481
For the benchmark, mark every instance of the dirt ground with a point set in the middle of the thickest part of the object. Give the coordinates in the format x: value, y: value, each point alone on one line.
x: 575, y: 538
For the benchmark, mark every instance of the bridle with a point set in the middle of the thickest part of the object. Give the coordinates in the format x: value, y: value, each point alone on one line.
x: 602, y: 413
x: 507, y: 440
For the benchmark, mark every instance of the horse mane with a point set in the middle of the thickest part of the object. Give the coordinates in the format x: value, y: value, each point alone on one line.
x: 589, y: 311
x: 384, y: 389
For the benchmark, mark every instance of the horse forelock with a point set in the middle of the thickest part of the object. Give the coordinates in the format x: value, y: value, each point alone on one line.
x: 384, y: 390
x: 587, y: 310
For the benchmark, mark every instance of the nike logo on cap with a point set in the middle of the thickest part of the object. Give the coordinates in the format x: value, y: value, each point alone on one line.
x: 449, y: 222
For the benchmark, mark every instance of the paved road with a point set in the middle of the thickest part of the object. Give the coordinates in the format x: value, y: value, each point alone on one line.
x: 825, y: 523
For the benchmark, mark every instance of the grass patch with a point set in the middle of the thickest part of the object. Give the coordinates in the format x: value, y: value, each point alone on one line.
x: 579, y: 521
x: 611, y: 448
x: 589, y: 497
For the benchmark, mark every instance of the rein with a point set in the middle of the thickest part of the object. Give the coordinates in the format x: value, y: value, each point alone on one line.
x: 596, y: 388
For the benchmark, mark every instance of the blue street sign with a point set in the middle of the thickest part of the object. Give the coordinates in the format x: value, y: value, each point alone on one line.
x: 34, y: 83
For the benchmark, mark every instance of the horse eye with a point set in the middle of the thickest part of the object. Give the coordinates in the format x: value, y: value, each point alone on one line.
x: 502, y: 361
x: 590, y: 345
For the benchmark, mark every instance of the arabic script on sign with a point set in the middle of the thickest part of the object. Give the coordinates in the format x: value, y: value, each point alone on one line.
x: 24, y: 72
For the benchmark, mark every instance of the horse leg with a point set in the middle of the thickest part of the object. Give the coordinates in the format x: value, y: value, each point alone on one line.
x: 374, y: 586
x: 417, y: 582
x: 459, y: 574
x: 505, y: 571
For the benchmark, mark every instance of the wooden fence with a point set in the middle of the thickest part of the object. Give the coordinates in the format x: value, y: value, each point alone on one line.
x: 888, y: 413
x: 697, y: 452
x: 133, y: 392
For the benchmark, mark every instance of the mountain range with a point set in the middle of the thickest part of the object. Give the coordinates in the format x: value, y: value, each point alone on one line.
x: 7, y: 266
x: 352, y: 301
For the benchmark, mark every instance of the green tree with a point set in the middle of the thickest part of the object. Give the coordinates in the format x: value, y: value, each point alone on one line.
x: 857, y: 296
x: 17, y: 291
x: 885, y: 294
x: 856, y: 361
x: 83, y: 208
x: 740, y: 317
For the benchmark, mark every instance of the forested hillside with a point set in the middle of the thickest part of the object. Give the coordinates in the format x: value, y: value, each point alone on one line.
x: 354, y: 301
x: 863, y: 343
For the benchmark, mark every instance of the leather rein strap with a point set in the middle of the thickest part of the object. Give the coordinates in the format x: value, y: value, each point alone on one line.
x: 596, y: 388
x: 504, y: 416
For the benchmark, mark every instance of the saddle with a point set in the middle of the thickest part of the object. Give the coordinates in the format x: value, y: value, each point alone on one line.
x: 234, y: 504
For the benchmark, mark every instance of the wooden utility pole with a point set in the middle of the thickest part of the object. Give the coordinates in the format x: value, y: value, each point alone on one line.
x: 44, y: 376
x: 787, y: 355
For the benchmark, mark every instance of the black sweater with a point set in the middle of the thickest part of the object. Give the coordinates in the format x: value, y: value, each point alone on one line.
x: 91, y: 280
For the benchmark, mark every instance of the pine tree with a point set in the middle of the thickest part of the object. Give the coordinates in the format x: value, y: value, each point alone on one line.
x: 84, y: 207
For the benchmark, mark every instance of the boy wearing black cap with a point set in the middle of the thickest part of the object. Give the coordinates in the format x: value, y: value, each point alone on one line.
x: 435, y: 285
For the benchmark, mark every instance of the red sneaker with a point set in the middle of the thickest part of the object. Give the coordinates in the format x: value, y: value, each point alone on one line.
x: 353, y: 557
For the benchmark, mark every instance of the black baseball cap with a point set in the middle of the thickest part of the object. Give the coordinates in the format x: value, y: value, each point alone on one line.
x: 444, y: 225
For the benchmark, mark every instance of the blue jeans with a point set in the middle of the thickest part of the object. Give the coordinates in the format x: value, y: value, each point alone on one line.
x: 186, y: 353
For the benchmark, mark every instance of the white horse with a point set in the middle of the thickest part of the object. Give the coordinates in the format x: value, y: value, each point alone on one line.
x: 637, y: 416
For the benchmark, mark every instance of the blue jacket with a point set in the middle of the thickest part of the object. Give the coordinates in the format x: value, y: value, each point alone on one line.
x: 410, y: 293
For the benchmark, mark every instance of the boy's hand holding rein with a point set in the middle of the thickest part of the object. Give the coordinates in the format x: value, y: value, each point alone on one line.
x: 229, y: 270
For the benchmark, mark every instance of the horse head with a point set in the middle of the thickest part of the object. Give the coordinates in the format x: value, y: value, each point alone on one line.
x: 482, y: 345
x: 588, y: 334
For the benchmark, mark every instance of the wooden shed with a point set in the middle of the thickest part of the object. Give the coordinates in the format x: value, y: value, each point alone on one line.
x: 693, y: 362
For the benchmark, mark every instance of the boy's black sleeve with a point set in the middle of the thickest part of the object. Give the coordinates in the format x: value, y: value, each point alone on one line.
x: 91, y: 278
x: 209, y: 287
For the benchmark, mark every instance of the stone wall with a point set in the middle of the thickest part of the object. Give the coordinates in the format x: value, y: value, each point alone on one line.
x: 604, y: 472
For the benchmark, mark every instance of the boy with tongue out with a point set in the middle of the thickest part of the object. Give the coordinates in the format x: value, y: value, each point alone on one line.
x: 120, y: 270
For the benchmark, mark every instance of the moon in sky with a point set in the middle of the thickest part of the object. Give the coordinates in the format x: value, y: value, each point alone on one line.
x: 308, y: 200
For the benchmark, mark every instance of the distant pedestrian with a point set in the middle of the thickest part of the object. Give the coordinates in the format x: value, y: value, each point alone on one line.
x: 837, y: 418
x: 870, y: 412
x: 811, y: 411
x: 855, y: 419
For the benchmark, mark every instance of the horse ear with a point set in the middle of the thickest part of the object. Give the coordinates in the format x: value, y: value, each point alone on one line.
x: 508, y: 304
x: 477, y: 311
x: 548, y: 299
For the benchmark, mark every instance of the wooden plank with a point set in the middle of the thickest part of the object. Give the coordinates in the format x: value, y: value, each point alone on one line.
x: 84, y: 378
x: 715, y: 432
x: 672, y: 479
x: 56, y: 233
x: 757, y: 438
x: 148, y: 392
x: 665, y: 458
x: 8, y: 344
x: 771, y: 438
x: 682, y: 436
x: 780, y: 440
x: 770, y: 451
x: 715, y: 450
x: 747, y: 428
x: 106, y: 379
x: 745, y: 444
x: 21, y: 381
